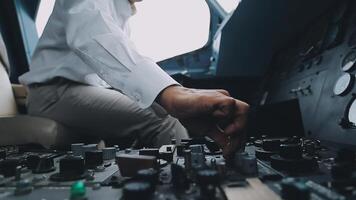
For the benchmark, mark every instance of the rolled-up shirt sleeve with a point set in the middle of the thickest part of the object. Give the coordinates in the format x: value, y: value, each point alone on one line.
x: 97, y: 38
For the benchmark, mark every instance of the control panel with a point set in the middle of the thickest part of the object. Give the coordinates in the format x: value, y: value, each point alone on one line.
x: 269, y: 168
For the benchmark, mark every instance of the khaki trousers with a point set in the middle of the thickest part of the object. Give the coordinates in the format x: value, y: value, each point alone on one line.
x: 107, y: 114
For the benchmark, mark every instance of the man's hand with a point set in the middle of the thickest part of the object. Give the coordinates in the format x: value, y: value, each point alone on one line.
x: 211, y: 113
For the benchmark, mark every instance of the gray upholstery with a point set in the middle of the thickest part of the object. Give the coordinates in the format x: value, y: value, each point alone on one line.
x: 22, y: 129
x: 7, y: 100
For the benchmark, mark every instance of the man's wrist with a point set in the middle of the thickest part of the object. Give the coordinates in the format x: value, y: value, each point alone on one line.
x: 167, y: 97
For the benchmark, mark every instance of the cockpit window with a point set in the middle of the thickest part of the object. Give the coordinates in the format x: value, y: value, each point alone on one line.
x: 229, y: 5
x: 161, y: 29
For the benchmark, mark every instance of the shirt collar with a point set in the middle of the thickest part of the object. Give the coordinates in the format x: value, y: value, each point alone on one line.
x: 123, y: 10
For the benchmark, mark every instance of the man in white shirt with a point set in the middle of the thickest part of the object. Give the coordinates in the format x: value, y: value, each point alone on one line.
x: 87, y: 74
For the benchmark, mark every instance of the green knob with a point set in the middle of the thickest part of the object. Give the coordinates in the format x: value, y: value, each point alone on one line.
x: 77, y: 191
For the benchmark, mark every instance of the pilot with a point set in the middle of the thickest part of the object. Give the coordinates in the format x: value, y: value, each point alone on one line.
x: 87, y: 74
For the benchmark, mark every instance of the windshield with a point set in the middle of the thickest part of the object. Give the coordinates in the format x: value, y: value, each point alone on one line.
x: 161, y: 29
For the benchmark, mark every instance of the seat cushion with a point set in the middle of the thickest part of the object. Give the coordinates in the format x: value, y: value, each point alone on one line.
x: 24, y: 129
x: 7, y: 100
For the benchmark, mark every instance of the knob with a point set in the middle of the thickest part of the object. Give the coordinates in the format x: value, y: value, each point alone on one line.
x: 187, y: 159
x: 137, y: 190
x: 258, y: 143
x: 187, y: 141
x: 185, y: 144
x: 40, y: 164
x: 88, y: 147
x: 238, y: 158
x: 109, y: 153
x: 71, y: 166
x: 310, y: 148
x: 148, y: 175
x: 180, y: 150
x: 93, y: 159
x: 251, y: 139
x: 197, y: 148
x: 291, y: 151
x: 248, y: 165
x: 8, y: 167
x: 78, y: 191
x: 271, y: 144
x: 197, y: 160
x: 128, y: 150
x: 77, y: 149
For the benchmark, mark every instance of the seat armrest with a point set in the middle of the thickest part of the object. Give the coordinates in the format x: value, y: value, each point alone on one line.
x: 20, y: 93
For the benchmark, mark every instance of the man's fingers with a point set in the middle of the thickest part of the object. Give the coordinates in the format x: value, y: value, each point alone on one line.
x: 224, y: 108
x: 224, y: 92
x: 235, y: 144
x: 240, y: 119
x: 236, y: 126
x: 227, y: 144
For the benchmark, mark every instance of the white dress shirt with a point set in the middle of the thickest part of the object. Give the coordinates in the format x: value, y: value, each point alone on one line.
x: 88, y: 41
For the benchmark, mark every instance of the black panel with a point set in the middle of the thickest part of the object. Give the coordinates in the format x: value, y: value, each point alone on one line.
x: 307, y: 69
x: 280, y: 120
x: 259, y: 28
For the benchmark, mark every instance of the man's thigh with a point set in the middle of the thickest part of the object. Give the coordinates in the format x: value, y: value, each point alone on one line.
x: 105, y: 113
